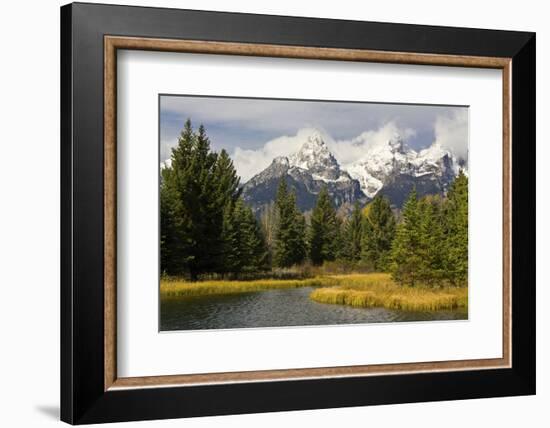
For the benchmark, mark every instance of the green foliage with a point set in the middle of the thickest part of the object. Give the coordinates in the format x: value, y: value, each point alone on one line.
x: 431, y: 244
x: 324, y: 230
x: 432, y: 248
x: 269, y: 218
x: 206, y: 229
x: 289, y: 243
x: 378, y: 233
x: 175, y: 228
x: 406, y: 246
x: 244, y: 249
x: 204, y: 226
x: 456, y: 215
x: 352, y: 235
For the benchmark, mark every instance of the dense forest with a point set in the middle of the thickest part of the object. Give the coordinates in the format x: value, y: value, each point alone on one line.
x: 207, y: 229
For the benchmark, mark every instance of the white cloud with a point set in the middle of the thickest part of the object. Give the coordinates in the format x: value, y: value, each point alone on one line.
x: 349, y: 151
x: 242, y: 126
x: 166, y: 146
x: 451, y: 132
x: 272, y: 117
x: 251, y: 162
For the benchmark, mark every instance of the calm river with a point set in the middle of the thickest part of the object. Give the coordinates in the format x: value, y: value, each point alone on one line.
x: 276, y: 308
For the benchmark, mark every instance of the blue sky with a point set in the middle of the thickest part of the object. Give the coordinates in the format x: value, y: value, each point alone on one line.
x: 245, y: 126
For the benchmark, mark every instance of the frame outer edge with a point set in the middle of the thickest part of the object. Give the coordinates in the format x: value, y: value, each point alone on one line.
x: 66, y: 226
x: 524, y: 215
x: 82, y: 394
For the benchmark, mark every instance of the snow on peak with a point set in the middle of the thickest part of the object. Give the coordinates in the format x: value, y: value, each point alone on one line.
x: 437, y: 159
x: 315, y: 157
x: 312, y: 151
x: 393, y: 156
x: 396, y: 143
x: 315, y: 139
x: 433, y: 153
x: 380, y: 162
x: 281, y: 160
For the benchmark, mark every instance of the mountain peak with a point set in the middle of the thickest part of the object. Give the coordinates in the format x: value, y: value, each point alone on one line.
x: 393, y: 161
x: 280, y: 160
x: 307, y: 171
x: 315, y: 157
x: 388, y: 165
x: 396, y: 143
x: 316, y: 137
x: 314, y: 145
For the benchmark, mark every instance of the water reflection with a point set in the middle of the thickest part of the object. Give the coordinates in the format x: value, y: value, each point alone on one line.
x: 277, y: 308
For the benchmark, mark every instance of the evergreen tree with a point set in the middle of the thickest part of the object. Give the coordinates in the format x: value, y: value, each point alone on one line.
x: 456, y: 214
x: 230, y: 238
x: 268, y: 222
x: 224, y: 193
x: 406, y: 256
x: 195, y: 191
x: 207, y: 228
x: 226, y: 180
x: 378, y: 233
x: 175, y: 223
x: 433, y: 248
x: 352, y: 235
x: 176, y: 240
x: 207, y: 214
x: 253, y: 243
x: 289, y: 245
x: 244, y: 247
x: 297, y: 238
x: 324, y: 230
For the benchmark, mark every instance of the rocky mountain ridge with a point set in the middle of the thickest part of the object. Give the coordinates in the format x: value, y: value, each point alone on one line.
x: 390, y: 168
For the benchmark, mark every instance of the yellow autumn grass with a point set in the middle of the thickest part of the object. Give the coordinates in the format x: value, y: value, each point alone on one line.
x: 358, y: 290
x: 378, y: 290
x: 182, y: 288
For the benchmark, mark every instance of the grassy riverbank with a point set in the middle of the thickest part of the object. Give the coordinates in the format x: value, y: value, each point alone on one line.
x: 358, y: 290
x: 378, y: 290
x: 182, y: 288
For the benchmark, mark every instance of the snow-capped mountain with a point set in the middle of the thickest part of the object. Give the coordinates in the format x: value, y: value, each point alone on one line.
x: 390, y: 168
x: 379, y: 162
x: 315, y: 157
x: 306, y: 171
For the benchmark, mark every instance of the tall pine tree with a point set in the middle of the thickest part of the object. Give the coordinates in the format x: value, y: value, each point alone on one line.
x: 378, y: 233
x: 323, y: 231
x: 406, y: 256
x: 269, y: 218
x: 456, y: 214
x: 289, y: 243
x: 195, y: 191
x: 352, y: 235
x: 432, y: 249
x: 175, y: 223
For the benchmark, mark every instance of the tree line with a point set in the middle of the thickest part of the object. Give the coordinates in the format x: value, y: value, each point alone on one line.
x: 428, y: 244
x: 206, y: 227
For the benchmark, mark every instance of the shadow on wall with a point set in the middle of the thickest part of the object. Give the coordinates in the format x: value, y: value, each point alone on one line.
x: 50, y: 411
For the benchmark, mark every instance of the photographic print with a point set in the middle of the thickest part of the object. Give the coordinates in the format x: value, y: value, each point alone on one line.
x: 279, y: 212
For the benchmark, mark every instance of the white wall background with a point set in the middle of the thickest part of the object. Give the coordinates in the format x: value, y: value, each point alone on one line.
x: 29, y: 214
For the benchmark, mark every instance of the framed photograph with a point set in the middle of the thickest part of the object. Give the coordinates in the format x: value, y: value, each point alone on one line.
x: 266, y: 213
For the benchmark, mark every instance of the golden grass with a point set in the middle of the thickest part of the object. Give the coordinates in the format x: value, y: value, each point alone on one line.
x: 182, y: 288
x: 359, y: 290
x: 378, y: 290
